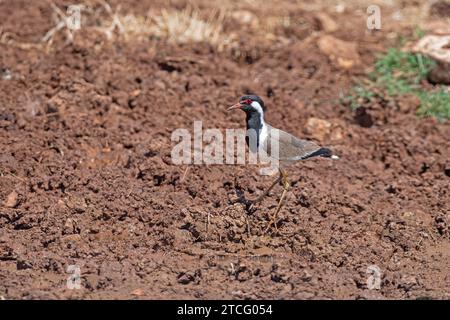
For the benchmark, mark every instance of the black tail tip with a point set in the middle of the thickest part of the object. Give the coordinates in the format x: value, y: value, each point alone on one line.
x: 324, y: 153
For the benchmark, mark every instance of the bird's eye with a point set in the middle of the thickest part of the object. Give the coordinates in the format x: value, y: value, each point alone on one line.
x: 248, y: 101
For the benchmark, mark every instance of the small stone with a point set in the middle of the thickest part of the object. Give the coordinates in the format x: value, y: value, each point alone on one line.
x: 307, y: 277
x: 22, y: 265
x: 440, y: 74
x: 337, y: 134
x: 318, y: 128
x: 343, y: 53
x: 434, y: 46
x: 71, y: 238
x: 185, y: 278
x: 5, y: 74
x: 135, y: 93
x: 159, y: 84
x: 137, y: 292
x: 78, y: 205
x: 21, y: 122
x: 326, y: 23
x: 12, y: 200
x: 69, y: 227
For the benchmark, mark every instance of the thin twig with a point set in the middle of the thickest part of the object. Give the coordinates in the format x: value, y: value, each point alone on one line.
x: 184, y: 174
x: 208, y: 221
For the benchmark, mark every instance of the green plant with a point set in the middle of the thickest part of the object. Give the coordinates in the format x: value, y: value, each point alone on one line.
x: 418, y: 33
x: 397, y: 73
x: 401, y: 70
x: 435, y: 104
x: 359, y: 95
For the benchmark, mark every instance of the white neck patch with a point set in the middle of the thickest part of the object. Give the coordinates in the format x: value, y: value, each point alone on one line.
x: 258, y: 108
x: 263, y: 134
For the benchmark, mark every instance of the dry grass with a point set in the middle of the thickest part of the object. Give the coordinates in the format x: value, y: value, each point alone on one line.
x: 175, y: 26
x: 189, y: 25
x: 185, y: 26
x: 61, y: 24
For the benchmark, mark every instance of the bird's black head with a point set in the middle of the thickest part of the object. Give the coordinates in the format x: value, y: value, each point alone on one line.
x: 250, y: 104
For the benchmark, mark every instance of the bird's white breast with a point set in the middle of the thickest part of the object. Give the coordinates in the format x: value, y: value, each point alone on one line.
x: 263, y: 134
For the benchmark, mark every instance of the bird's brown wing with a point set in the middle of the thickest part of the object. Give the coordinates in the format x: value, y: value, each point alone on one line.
x: 290, y: 148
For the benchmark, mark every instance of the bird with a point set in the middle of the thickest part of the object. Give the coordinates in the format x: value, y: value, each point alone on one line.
x: 283, y: 147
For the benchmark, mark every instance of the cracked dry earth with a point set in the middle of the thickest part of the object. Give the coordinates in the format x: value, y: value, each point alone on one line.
x: 86, y: 176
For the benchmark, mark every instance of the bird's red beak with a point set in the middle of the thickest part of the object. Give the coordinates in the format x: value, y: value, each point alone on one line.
x: 235, y: 106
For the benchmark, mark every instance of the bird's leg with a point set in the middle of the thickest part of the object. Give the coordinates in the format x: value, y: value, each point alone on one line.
x: 286, y: 186
x: 265, y: 193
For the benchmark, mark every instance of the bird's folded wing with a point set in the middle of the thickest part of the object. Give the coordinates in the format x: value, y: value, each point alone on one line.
x: 286, y: 147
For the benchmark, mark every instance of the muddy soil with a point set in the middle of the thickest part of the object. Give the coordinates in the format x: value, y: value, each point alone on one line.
x: 86, y: 176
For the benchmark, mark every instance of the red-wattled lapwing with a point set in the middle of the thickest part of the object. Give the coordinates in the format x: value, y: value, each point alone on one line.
x: 281, y: 146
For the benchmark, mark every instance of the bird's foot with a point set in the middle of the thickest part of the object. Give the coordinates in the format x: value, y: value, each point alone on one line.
x: 273, y: 220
